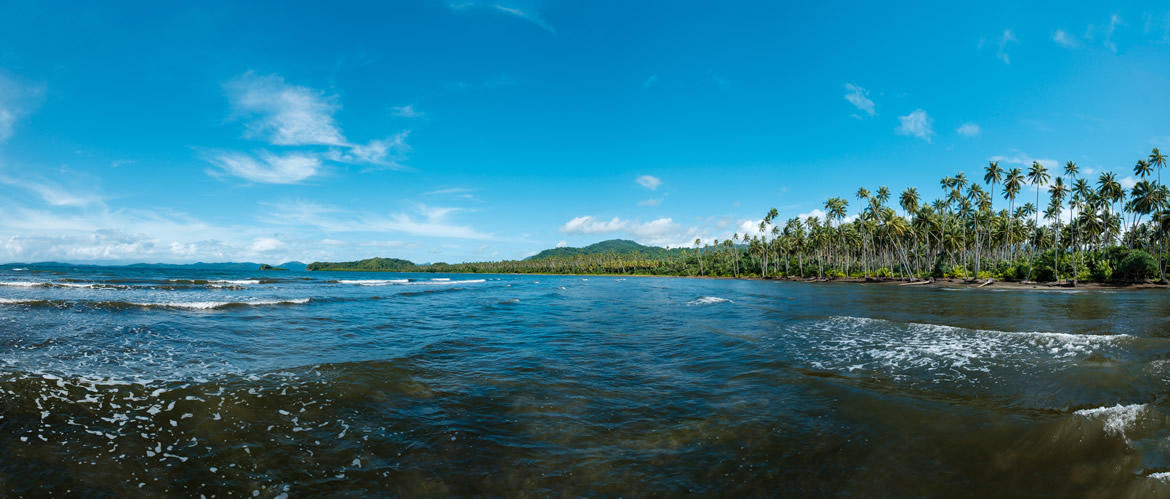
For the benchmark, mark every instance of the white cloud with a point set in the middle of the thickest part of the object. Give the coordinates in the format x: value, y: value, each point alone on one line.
x: 918, y: 124
x: 858, y: 97
x: 407, y: 111
x: 651, y: 202
x: 648, y: 182
x: 969, y: 129
x: 659, y: 232
x: 529, y: 16
x: 1128, y: 182
x: 1064, y: 39
x: 268, y: 169
x: 1001, y: 52
x: 284, y: 114
x: 562, y: 244
x: 650, y: 81
x: 294, y: 116
x: 265, y: 244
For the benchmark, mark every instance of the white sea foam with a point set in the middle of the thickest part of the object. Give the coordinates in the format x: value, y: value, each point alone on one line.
x: 1161, y: 475
x: 236, y: 281
x: 441, y: 279
x: 854, y: 343
x: 210, y: 305
x: 1117, y: 418
x: 17, y: 301
x: 407, y: 282
x: 375, y: 282
x: 708, y: 300
x: 22, y: 284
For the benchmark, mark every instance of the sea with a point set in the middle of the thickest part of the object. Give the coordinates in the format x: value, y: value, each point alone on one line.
x: 126, y: 382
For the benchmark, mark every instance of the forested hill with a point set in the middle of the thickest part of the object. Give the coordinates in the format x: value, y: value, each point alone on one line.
x: 616, y: 246
x: 369, y: 265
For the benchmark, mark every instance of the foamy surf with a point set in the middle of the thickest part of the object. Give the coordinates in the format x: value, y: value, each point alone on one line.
x: 1118, y: 418
x: 708, y: 300
x: 939, y: 352
x: 374, y: 282
x: 212, y: 305
x: 407, y: 282
x: 23, y: 284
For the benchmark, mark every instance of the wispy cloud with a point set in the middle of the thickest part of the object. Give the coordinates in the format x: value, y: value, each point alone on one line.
x: 1065, y: 39
x: 650, y: 81
x: 16, y: 99
x: 268, y: 168
x: 859, y: 97
x: 425, y: 220
x: 651, y: 202
x: 407, y: 111
x: 917, y: 124
x: 562, y: 244
x: 289, y: 115
x: 1001, y: 50
x: 649, y: 182
x: 969, y: 130
x: 453, y: 192
x: 284, y: 114
x: 527, y: 15
x: 1023, y: 159
x: 387, y: 153
x: 1110, y: 29
x: 53, y: 193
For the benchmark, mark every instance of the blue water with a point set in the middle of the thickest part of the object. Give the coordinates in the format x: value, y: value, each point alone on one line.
x: 119, y: 381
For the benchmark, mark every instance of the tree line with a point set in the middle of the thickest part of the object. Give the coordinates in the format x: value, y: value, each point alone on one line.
x: 1089, y: 229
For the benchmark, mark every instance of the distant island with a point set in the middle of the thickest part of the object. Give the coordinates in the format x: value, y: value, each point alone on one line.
x: 239, y: 266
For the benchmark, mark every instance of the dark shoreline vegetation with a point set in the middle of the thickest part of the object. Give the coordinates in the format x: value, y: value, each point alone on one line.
x: 1110, y: 235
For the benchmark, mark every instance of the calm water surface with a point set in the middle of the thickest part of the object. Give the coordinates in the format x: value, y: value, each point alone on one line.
x: 120, y: 382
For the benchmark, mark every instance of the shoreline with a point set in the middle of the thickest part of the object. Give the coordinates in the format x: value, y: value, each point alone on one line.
x: 952, y: 283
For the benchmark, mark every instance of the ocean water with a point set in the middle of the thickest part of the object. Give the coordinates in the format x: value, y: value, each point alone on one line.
x: 120, y: 382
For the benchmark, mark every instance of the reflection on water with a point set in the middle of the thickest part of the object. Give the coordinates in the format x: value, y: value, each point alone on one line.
x: 137, y: 382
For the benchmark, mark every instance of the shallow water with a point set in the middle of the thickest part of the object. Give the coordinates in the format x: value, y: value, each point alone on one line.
x: 139, y: 382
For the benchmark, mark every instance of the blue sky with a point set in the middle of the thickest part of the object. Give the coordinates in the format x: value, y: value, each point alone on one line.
x: 464, y: 130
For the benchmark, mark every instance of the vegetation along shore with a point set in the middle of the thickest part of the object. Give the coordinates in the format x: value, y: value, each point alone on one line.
x: 1092, y: 230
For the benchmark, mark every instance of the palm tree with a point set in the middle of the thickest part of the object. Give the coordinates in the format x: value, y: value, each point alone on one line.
x: 1070, y: 169
x: 1109, y: 190
x: 698, y: 255
x: 1058, y: 191
x: 1157, y: 160
x: 1038, y: 176
x: 1011, y: 187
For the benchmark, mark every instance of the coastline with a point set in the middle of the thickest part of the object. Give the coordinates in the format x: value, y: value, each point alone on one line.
x: 889, y: 281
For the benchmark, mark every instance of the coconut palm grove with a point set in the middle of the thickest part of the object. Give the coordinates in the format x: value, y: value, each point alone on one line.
x: 1050, y: 226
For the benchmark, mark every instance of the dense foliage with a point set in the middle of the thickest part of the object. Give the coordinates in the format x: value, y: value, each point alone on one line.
x: 1094, y: 232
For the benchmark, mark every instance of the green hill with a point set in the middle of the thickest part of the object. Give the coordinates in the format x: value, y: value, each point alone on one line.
x: 616, y: 246
x: 368, y: 265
